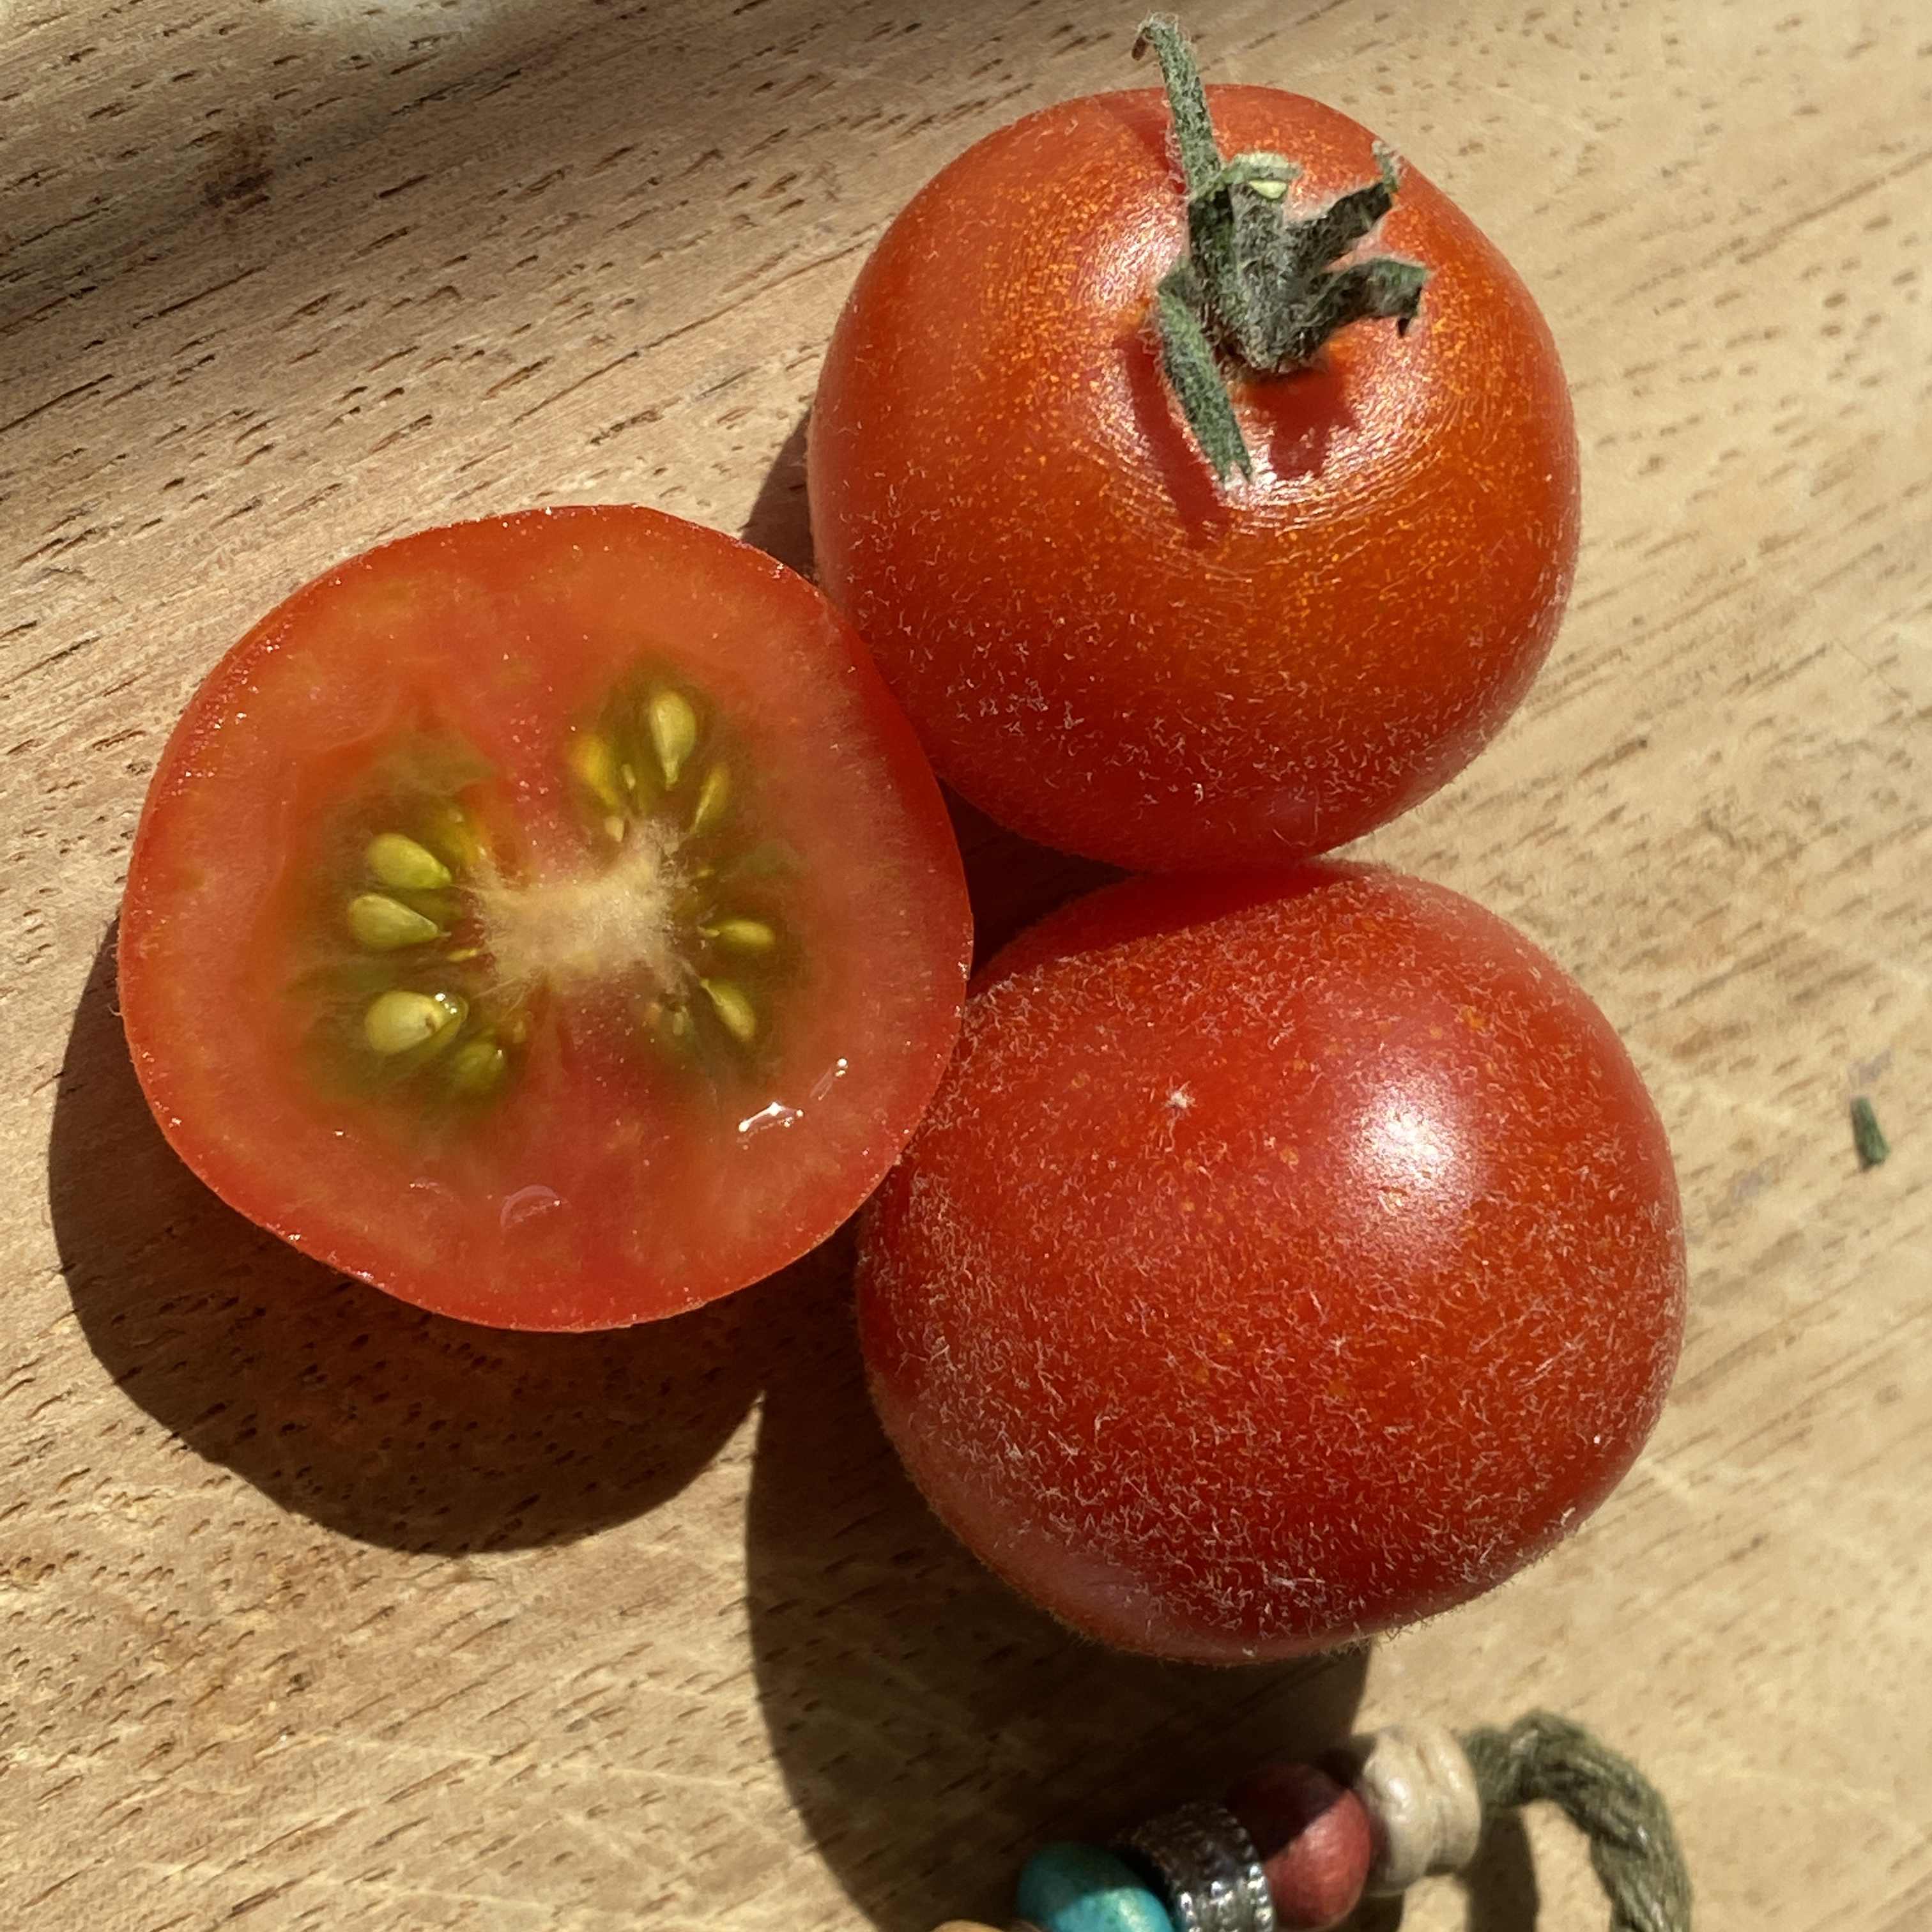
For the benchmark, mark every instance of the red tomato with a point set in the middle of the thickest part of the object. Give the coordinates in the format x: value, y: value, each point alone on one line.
x: 1283, y: 1259
x: 1098, y: 645
x: 549, y: 919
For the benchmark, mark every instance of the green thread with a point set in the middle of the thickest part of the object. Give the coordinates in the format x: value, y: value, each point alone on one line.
x: 1867, y: 1136
x: 1633, y: 1847
x: 1256, y: 283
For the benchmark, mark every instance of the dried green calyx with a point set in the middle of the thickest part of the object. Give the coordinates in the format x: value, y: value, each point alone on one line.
x: 1258, y: 285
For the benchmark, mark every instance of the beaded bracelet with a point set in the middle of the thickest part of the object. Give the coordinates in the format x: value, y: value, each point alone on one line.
x: 1294, y: 1847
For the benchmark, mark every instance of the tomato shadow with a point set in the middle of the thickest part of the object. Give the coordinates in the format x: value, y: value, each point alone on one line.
x: 1290, y: 421
x: 931, y: 1726
x: 1012, y: 881
x: 374, y: 1419
x: 779, y: 521
x: 1498, y: 1887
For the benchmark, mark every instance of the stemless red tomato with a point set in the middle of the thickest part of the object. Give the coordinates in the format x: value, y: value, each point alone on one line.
x: 549, y: 919
x: 1101, y: 647
x: 1283, y: 1259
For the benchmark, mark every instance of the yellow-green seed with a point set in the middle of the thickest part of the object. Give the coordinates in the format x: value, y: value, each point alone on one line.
x: 741, y: 935
x: 614, y: 828
x: 383, y: 924
x: 736, y: 1013
x: 477, y: 1066
x: 673, y: 732
x: 397, y: 861
x: 455, y: 834
x: 396, y: 1021
x: 713, y: 796
x: 671, y: 1023
x: 594, y: 762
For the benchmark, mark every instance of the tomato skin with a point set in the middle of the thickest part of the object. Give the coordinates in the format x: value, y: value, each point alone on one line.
x: 1283, y: 1259
x: 604, y: 1188
x: 1098, y: 648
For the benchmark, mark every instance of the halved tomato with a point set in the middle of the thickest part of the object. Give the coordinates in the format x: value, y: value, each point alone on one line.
x: 549, y: 919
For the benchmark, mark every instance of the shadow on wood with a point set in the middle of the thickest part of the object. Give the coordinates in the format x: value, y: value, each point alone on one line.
x: 932, y: 1727
x: 779, y: 523
x: 374, y: 1419
x: 1501, y: 1881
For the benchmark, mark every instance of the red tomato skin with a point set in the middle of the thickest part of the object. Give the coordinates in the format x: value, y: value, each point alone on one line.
x: 1283, y: 1259
x: 546, y: 1218
x: 1098, y: 648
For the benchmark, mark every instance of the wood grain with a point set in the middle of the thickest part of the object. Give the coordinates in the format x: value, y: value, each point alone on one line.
x: 316, y: 1612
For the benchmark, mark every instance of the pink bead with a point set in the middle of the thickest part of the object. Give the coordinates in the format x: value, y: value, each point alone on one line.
x: 1314, y: 1840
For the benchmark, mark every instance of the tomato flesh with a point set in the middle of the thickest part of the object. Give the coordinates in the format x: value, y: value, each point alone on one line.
x: 1101, y: 647
x: 590, y: 1175
x: 1282, y: 1259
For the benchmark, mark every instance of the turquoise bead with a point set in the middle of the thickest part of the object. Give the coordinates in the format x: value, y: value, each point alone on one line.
x: 1081, y: 1888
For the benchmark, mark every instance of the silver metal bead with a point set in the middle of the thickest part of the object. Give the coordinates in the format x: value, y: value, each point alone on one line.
x: 1207, y: 1868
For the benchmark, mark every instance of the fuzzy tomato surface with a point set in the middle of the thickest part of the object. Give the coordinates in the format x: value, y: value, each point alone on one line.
x: 1284, y: 1258
x: 1100, y: 646
x: 549, y: 919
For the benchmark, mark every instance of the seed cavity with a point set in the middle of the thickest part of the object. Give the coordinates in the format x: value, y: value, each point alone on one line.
x: 399, y: 862
x: 735, y: 1012
x: 673, y: 728
x: 383, y: 924
x: 396, y: 1021
x: 448, y: 945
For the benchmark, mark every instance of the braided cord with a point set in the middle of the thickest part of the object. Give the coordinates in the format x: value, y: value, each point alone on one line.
x: 1632, y: 1846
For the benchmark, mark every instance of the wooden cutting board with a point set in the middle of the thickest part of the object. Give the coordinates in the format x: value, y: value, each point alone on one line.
x: 314, y: 1612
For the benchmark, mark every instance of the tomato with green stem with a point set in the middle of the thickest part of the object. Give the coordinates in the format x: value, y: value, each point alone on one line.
x: 1284, y: 1258
x: 549, y: 919
x: 1204, y: 482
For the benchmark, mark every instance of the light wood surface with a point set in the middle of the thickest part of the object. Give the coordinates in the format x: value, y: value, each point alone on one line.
x: 316, y: 1612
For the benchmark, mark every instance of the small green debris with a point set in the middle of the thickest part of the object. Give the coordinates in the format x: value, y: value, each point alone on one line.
x: 1867, y: 1136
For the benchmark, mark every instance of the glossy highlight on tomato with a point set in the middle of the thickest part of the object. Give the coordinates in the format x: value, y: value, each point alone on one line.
x: 1284, y: 1258
x: 1101, y: 646
x: 549, y: 919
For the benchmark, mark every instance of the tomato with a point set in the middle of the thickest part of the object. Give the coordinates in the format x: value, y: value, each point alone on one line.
x: 1102, y: 646
x: 1284, y: 1257
x: 549, y: 919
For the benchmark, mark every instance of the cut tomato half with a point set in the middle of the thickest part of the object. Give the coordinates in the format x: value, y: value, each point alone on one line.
x: 550, y: 919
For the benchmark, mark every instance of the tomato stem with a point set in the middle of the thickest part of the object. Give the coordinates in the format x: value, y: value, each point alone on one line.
x: 1256, y: 284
